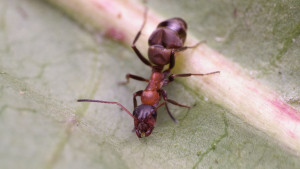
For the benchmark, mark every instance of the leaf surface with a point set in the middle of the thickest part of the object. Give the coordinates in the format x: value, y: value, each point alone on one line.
x: 48, y: 61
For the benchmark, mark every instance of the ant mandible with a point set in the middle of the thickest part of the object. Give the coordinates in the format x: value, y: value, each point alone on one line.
x: 164, y: 42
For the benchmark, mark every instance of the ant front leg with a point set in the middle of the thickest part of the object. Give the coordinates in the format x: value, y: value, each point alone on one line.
x: 138, y: 93
x: 137, y: 52
x: 128, y: 76
x: 165, y: 97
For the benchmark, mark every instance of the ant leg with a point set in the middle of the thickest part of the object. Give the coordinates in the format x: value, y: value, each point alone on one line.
x: 171, y: 77
x: 137, y: 52
x: 189, y: 47
x: 172, y: 117
x: 165, y: 97
x: 171, y: 64
x: 128, y: 76
x: 172, y: 56
x: 138, y: 93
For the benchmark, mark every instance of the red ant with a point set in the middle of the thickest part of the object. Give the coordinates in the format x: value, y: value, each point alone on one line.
x: 164, y: 42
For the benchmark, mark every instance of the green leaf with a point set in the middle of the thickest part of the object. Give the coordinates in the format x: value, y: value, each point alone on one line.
x: 48, y: 61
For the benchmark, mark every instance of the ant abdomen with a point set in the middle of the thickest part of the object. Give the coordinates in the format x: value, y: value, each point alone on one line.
x: 169, y: 35
x: 159, y: 55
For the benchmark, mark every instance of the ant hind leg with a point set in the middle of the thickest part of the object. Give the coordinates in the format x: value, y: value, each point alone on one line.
x: 171, y: 64
x: 190, y: 47
x: 138, y: 53
x: 172, y: 56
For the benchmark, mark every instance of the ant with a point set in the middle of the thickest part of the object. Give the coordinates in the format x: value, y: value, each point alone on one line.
x: 164, y: 42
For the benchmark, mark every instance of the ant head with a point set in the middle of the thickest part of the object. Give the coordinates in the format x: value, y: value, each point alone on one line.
x: 144, y: 121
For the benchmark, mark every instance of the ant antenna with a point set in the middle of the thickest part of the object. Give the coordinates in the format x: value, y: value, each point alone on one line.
x: 101, y: 101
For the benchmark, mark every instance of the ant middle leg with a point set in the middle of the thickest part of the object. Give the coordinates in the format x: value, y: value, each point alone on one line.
x: 172, y: 76
x: 137, y: 52
x: 128, y: 76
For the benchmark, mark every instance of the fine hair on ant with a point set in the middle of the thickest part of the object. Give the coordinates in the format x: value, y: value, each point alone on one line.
x: 164, y: 42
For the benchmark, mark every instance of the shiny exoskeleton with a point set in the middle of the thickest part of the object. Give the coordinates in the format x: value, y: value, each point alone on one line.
x: 164, y: 42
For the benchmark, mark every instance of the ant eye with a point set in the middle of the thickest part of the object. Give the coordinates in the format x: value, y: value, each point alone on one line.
x: 154, y: 114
